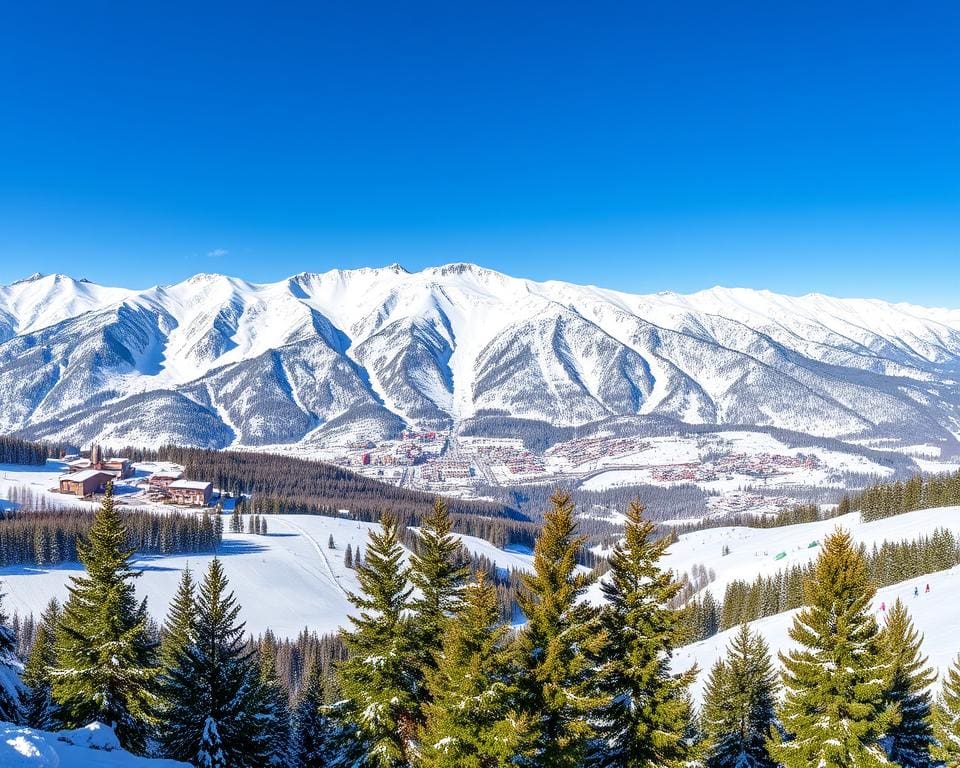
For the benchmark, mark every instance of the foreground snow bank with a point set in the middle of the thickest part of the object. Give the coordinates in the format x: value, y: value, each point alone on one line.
x: 94, y: 746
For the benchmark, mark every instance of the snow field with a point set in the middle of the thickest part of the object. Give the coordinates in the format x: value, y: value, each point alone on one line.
x: 94, y: 746
x: 285, y: 581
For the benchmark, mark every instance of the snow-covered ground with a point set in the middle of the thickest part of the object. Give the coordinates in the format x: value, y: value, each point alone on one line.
x: 286, y: 580
x: 94, y: 746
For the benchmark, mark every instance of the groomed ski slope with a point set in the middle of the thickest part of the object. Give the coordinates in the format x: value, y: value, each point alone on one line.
x: 285, y: 581
x: 753, y: 551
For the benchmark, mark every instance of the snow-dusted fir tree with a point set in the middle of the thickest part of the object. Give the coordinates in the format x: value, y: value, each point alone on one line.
x: 644, y: 716
x: 38, y: 706
x: 11, y: 689
x: 105, y: 667
x: 946, y: 718
x: 554, y: 669
x: 739, y: 707
x: 178, y: 633
x: 470, y: 723
x: 274, y: 707
x: 835, y: 711
x: 909, y: 740
x: 379, y: 677
x: 309, y: 747
x: 212, y: 712
x: 438, y: 570
x: 178, y: 628
x: 323, y: 735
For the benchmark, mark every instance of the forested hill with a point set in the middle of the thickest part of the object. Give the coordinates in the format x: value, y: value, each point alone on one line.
x: 282, y: 484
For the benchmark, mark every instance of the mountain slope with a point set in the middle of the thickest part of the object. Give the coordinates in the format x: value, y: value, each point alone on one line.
x: 320, y: 358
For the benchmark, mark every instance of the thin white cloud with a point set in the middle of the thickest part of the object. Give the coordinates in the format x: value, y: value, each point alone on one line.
x: 218, y: 253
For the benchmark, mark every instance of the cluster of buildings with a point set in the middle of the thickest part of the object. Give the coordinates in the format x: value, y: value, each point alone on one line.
x: 509, y: 454
x: 764, y: 464
x: 443, y: 470
x: 85, y: 477
x: 405, y: 454
x: 585, y: 449
x: 760, y: 465
x: 744, y: 501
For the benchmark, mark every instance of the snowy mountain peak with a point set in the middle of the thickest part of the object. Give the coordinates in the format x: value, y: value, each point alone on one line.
x: 31, y: 279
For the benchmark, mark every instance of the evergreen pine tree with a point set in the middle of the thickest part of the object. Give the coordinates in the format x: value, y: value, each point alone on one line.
x: 348, y: 557
x: 739, y: 705
x: 554, y: 670
x: 330, y: 542
x: 469, y: 722
x: 324, y: 736
x: 178, y: 628
x: 439, y: 572
x: 11, y: 689
x: 643, y: 720
x: 274, y: 708
x: 310, y: 750
x: 39, y: 709
x: 213, y: 714
x: 177, y: 635
x: 835, y: 709
x: 946, y: 719
x: 105, y: 667
x: 379, y: 676
x: 908, y: 741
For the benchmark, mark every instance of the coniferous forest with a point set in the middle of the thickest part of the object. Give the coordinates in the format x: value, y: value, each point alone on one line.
x: 429, y: 674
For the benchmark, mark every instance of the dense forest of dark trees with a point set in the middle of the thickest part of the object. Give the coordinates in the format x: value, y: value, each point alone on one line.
x: 13, y: 450
x: 49, y: 537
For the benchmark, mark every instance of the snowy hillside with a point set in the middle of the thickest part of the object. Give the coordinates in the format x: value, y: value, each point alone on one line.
x: 321, y: 358
x: 285, y: 581
x: 753, y: 552
x: 95, y: 746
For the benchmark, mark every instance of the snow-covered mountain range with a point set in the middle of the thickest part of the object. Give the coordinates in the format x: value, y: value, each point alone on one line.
x: 318, y: 358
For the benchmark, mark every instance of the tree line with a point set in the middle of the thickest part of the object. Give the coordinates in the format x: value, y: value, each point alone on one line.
x: 13, y: 450
x: 50, y: 537
x: 888, y: 499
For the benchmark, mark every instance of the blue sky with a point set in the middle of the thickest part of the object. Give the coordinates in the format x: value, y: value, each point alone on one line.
x: 646, y: 146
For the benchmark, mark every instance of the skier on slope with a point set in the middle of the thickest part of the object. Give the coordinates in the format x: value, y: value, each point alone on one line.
x: 916, y: 591
x: 928, y: 588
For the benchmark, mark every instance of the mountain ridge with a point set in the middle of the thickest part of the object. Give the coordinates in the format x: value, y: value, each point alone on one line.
x: 332, y: 356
